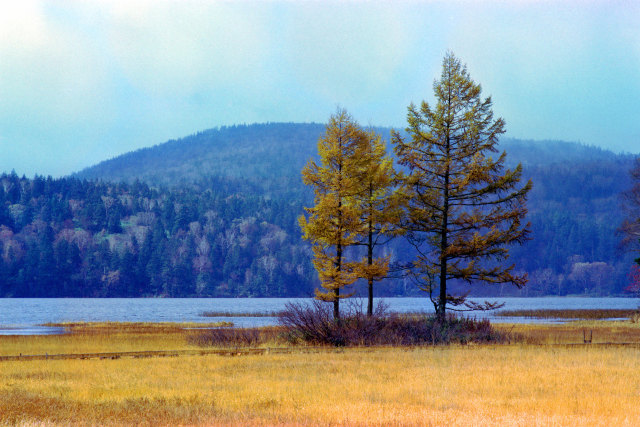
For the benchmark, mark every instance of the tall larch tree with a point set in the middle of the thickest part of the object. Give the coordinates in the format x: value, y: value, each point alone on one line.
x: 381, y: 209
x: 463, y: 206
x: 333, y: 223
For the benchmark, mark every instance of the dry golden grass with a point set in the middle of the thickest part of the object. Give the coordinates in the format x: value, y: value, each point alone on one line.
x: 517, y: 384
x: 104, y: 337
x: 134, y: 327
x: 574, y: 332
x: 593, y: 314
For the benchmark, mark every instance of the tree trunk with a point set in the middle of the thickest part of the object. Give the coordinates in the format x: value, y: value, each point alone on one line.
x: 442, y: 301
x: 370, y: 302
x: 370, y: 261
x: 336, y: 291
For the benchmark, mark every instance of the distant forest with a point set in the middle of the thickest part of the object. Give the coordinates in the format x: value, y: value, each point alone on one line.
x: 215, y: 214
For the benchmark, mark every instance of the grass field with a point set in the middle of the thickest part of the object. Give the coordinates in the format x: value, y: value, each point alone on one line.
x: 611, y: 313
x: 104, y: 337
x: 523, y: 383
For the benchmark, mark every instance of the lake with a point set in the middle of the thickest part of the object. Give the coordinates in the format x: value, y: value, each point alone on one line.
x: 23, y: 316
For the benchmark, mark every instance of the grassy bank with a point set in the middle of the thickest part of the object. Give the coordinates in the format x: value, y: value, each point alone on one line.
x: 239, y: 314
x: 510, y: 384
x: 584, y: 314
x: 90, y: 337
x: 601, y: 332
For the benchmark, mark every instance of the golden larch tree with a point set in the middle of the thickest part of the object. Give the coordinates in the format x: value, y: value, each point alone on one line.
x: 463, y: 206
x: 381, y: 210
x: 333, y: 223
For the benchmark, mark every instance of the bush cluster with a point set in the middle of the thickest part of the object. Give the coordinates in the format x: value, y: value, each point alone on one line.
x: 229, y: 337
x: 314, y: 324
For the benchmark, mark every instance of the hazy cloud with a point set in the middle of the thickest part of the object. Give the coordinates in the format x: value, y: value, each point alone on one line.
x: 84, y: 81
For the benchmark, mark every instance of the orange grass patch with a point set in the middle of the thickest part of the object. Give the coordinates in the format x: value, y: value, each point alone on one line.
x: 516, y: 384
x: 574, y: 332
x: 456, y: 385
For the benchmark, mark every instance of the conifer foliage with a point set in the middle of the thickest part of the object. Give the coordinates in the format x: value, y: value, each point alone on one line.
x: 355, y: 205
x: 463, y: 206
x: 381, y: 210
x: 630, y: 227
x: 333, y: 223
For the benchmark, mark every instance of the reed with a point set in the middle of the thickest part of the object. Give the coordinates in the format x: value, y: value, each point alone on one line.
x: 240, y: 314
x: 585, y: 314
x: 573, y: 332
x: 238, y: 337
x: 450, y: 385
x: 527, y: 383
x: 96, y: 337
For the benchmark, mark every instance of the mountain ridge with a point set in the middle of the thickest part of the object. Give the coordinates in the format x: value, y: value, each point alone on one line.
x: 302, y: 136
x: 214, y: 214
x: 573, y: 203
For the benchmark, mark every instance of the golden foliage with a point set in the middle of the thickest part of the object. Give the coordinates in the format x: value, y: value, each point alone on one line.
x: 381, y: 209
x: 355, y: 204
x: 333, y: 221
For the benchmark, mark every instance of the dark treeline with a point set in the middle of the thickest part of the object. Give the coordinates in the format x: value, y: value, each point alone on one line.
x: 574, y: 210
x: 71, y: 237
x: 215, y: 214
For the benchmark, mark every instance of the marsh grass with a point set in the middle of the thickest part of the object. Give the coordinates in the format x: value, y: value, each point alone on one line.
x: 239, y: 314
x: 133, y: 327
x: 443, y: 385
x: 489, y: 384
x: 237, y: 337
x: 96, y: 337
x: 583, y: 314
x: 616, y: 332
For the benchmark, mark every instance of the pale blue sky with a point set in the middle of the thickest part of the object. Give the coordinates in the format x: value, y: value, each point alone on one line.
x: 83, y: 81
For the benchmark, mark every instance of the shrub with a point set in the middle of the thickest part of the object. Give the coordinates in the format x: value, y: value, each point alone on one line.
x: 314, y: 324
x: 227, y: 337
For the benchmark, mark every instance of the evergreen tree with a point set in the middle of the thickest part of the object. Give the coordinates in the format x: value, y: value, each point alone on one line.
x: 113, y: 219
x: 5, y: 215
x: 463, y: 207
x: 142, y: 260
x: 333, y: 223
x: 630, y: 227
x: 47, y: 269
x: 4, y: 275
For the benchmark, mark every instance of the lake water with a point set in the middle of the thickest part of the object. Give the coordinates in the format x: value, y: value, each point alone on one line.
x: 23, y: 316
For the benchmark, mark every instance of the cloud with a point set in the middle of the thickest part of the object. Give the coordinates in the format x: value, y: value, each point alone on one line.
x: 563, y: 72
x: 342, y: 50
x: 50, y: 71
x: 173, y: 49
x: 95, y: 79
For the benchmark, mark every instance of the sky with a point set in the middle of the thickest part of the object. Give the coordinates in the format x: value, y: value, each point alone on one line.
x: 84, y: 81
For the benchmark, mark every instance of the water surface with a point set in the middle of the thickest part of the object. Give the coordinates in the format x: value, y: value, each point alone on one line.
x: 24, y: 315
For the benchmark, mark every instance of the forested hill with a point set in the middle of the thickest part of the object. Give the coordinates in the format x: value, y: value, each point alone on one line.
x: 70, y: 237
x: 269, y: 155
x: 266, y: 153
x: 214, y: 214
